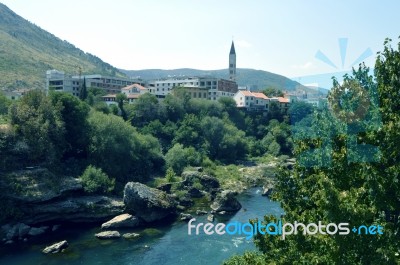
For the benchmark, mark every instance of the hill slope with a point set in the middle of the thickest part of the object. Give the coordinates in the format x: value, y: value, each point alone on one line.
x: 27, y: 51
x: 256, y: 79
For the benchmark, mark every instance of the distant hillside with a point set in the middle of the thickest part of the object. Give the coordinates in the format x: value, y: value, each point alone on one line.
x: 27, y: 51
x: 256, y: 79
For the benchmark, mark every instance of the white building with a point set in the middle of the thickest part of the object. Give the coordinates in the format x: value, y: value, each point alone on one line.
x: 257, y: 101
x: 59, y: 81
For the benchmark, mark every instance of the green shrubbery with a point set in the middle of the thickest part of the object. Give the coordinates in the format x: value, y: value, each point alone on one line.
x: 94, y: 180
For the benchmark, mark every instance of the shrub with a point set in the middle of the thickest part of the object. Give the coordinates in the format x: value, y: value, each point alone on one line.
x: 94, y: 180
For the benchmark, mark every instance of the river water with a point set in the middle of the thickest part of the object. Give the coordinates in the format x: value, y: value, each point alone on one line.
x: 165, y: 244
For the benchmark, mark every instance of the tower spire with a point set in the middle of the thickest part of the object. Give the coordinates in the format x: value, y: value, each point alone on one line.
x: 232, y: 63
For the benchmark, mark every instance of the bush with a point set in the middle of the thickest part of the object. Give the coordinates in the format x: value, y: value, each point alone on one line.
x: 170, y: 176
x: 94, y: 180
x: 178, y: 158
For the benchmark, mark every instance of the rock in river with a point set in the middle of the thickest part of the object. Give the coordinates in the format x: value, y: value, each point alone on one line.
x: 108, y: 235
x: 122, y: 221
x: 226, y: 201
x: 56, y: 248
x: 147, y: 203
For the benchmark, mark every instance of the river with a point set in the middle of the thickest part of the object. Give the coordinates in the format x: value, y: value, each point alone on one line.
x: 165, y: 244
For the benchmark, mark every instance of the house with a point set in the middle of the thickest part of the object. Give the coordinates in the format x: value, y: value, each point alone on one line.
x: 134, y: 89
x: 254, y: 101
x: 110, y: 99
x: 244, y: 99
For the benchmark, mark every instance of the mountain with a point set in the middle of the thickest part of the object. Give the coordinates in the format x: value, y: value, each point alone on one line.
x: 255, y: 79
x: 27, y: 51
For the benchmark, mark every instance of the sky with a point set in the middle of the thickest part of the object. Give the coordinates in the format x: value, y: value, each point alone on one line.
x: 282, y: 37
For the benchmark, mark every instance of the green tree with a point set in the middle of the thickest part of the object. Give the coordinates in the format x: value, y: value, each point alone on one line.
x: 174, y: 107
x: 121, y: 99
x: 120, y: 150
x: 94, y: 180
x: 84, y: 93
x: 146, y: 109
x: 340, y: 177
x: 101, y: 106
x: 223, y: 141
x: 234, y: 114
x: 4, y: 104
x: 178, y: 158
x: 165, y: 133
x: 274, y: 112
x: 74, y: 114
x: 39, y: 125
x: 299, y: 110
x: 273, y: 92
x: 189, y: 132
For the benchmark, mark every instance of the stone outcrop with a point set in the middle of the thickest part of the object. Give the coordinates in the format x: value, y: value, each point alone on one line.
x: 108, y: 235
x: 40, y: 196
x: 39, y: 185
x: 208, y: 182
x: 147, y: 203
x: 226, y: 201
x: 122, y: 221
x: 56, y: 248
x: 75, y: 209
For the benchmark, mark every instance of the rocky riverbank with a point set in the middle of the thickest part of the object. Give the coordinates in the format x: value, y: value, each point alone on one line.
x: 41, y: 202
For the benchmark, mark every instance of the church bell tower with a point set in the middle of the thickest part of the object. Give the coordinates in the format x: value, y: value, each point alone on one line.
x: 232, y: 63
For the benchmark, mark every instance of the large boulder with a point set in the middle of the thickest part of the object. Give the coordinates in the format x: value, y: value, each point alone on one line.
x: 226, y: 201
x: 122, y: 221
x: 147, y: 203
x: 208, y: 182
x: 56, y: 248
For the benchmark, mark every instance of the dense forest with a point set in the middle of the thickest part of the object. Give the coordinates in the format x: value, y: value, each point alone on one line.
x: 107, y: 146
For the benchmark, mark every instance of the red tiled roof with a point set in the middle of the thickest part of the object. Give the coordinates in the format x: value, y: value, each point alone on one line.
x: 247, y: 93
x: 132, y: 86
x: 283, y: 100
x: 259, y: 95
